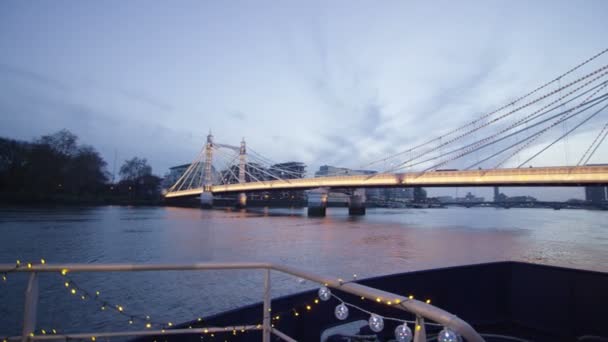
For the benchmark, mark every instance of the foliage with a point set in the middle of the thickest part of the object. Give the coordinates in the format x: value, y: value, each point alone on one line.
x: 56, y: 166
x: 134, y: 169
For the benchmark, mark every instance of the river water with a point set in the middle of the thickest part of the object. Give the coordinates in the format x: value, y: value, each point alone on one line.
x: 383, y: 241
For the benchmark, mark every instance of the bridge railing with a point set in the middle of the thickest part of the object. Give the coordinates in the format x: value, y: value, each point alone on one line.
x: 422, y: 310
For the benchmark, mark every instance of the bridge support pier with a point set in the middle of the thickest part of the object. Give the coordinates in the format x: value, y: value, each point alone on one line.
x: 241, y: 202
x: 317, y: 203
x: 356, y: 204
x: 206, y: 200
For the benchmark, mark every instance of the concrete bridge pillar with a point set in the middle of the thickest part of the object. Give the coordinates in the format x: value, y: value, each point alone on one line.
x: 241, y: 202
x: 317, y: 202
x: 356, y: 204
x: 207, y: 200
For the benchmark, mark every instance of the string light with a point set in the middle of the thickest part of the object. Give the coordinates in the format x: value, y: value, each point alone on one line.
x: 376, y: 323
x: 403, y: 333
x: 341, y: 311
x: 447, y: 335
x: 324, y: 293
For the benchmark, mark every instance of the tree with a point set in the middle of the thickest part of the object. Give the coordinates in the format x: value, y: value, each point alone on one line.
x: 63, y: 142
x: 419, y: 194
x: 86, y: 171
x: 135, y: 169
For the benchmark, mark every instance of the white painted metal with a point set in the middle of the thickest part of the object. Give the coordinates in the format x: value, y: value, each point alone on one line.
x: 414, y: 306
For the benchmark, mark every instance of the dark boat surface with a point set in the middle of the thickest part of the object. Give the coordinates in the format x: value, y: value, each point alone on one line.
x: 526, y: 301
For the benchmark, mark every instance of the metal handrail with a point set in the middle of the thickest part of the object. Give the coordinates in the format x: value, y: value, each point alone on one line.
x: 422, y: 310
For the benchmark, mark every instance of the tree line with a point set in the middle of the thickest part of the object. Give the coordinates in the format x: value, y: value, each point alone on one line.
x: 56, y: 167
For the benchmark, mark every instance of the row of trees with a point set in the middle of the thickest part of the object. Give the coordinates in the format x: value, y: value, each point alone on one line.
x: 56, y: 166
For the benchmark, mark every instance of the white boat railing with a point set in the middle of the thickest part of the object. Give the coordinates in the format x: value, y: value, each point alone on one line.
x: 420, y: 309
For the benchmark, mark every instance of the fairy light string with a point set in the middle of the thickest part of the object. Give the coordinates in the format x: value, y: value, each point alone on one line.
x: 376, y: 321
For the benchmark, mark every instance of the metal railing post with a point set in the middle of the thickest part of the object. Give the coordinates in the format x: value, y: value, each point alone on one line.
x: 419, y: 330
x: 30, y: 310
x: 266, y: 329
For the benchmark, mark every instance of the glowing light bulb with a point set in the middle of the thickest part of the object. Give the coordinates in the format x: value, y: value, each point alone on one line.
x: 119, y: 308
x: 376, y: 323
x: 42, y: 261
x: 4, y: 277
x: 341, y: 311
x: 73, y: 291
x: 199, y: 319
x: 93, y: 338
x: 67, y: 284
x: 29, y: 265
x: 148, y: 325
x: 447, y: 335
x: 64, y: 271
x: 97, y: 293
x: 308, y: 307
x: 170, y: 324
x: 403, y: 333
x: 324, y: 293
x: 428, y: 301
x: 316, y: 301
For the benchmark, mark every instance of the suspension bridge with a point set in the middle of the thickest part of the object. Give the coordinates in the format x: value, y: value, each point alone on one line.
x: 494, y: 149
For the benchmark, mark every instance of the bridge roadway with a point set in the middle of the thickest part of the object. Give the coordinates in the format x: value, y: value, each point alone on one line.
x: 540, y: 176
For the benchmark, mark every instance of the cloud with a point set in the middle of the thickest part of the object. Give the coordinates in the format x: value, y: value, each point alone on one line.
x: 32, y: 76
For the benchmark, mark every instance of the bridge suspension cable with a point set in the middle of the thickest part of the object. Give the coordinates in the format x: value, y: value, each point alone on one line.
x: 604, y: 97
x: 604, y: 132
x: 487, y: 124
x: 526, y: 119
x: 563, y: 135
x: 492, y: 113
x: 521, y: 141
x: 563, y: 119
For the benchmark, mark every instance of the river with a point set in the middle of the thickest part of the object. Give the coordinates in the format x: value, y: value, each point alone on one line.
x: 383, y: 241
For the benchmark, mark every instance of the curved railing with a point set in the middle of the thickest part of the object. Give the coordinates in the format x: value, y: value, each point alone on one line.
x: 422, y: 310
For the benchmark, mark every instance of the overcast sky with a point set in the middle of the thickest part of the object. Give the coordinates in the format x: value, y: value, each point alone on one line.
x: 330, y: 82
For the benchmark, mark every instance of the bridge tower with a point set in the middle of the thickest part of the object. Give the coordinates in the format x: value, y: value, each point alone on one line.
x: 242, y: 199
x: 207, y: 181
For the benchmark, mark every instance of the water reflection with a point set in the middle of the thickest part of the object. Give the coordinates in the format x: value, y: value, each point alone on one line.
x: 384, y: 241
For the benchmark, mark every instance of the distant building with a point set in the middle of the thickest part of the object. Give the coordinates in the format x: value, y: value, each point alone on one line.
x: 288, y: 170
x: 520, y: 199
x: 596, y: 194
x: 173, y: 175
x: 176, y: 172
x: 498, y: 196
x: 373, y: 195
x: 328, y: 170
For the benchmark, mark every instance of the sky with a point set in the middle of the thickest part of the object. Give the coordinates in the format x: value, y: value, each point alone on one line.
x: 338, y: 82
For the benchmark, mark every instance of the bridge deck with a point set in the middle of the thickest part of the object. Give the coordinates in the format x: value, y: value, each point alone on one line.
x: 541, y: 176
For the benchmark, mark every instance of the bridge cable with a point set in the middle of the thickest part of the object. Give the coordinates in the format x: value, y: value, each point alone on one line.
x: 486, y: 142
x: 188, y: 170
x: 493, y: 112
x: 518, y: 109
x: 536, y: 134
x: 564, y: 135
x: 272, y: 164
x: 602, y: 131
x: 604, y: 97
x: 531, y: 117
x: 562, y: 119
